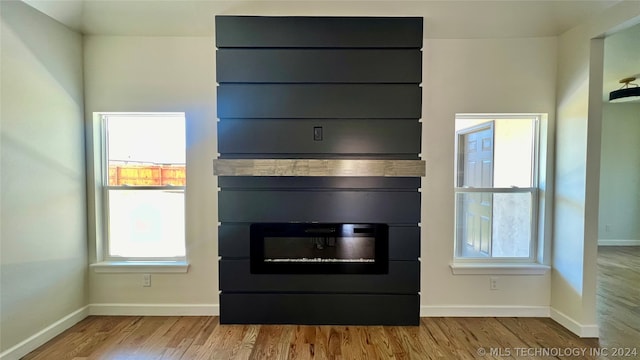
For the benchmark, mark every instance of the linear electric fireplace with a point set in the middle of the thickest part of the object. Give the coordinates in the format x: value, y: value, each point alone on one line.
x: 319, y: 248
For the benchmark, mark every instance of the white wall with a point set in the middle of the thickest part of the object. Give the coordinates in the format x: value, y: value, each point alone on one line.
x: 144, y: 74
x: 474, y: 76
x: 177, y: 74
x: 43, y: 231
x: 578, y: 133
x: 620, y: 172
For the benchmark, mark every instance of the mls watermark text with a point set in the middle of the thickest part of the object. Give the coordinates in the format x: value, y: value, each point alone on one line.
x: 578, y: 352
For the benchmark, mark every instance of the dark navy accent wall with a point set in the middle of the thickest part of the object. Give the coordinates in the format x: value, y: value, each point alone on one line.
x: 339, y: 136
x: 310, y: 101
x: 318, y: 32
x: 319, y: 66
x: 323, y: 88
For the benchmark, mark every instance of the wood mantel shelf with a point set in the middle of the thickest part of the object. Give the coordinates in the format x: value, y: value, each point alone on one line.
x: 318, y: 167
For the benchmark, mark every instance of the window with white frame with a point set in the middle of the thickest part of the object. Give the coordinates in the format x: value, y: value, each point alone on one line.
x: 144, y: 179
x: 496, y: 187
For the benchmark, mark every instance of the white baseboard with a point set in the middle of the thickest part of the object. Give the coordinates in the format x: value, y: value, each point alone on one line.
x: 44, y: 335
x: 155, y: 309
x: 484, y: 311
x: 584, y: 331
x: 618, y: 242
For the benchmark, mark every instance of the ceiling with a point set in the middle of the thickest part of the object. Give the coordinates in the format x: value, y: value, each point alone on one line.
x: 443, y: 19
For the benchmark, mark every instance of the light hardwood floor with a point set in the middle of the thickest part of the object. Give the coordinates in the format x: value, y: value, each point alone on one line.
x: 146, y: 338
x: 618, y: 296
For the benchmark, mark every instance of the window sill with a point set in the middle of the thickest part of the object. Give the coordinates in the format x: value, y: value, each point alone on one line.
x: 468, y: 268
x: 140, y: 267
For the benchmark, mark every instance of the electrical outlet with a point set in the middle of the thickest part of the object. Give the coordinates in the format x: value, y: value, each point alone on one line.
x: 146, y: 280
x: 607, y: 228
x: 493, y: 283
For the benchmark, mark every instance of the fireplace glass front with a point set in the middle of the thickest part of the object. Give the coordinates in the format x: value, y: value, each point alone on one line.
x: 319, y: 248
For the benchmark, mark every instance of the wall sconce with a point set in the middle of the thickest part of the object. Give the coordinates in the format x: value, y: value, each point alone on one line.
x: 628, y: 92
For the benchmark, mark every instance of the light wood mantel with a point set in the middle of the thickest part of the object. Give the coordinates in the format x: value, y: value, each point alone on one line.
x: 318, y: 167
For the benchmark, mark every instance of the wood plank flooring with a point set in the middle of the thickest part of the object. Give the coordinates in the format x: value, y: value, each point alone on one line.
x: 201, y: 337
x: 618, y: 296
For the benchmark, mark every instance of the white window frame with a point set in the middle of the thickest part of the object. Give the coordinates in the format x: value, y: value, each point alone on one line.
x: 534, y: 264
x: 104, y: 262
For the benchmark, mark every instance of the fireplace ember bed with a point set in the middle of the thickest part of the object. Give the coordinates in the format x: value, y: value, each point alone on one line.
x: 319, y: 248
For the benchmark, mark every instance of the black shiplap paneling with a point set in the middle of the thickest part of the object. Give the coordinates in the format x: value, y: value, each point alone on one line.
x: 404, y: 243
x: 295, y: 70
x: 319, y: 66
x: 403, y: 278
x: 322, y: 206
x: 320, y: 309
x: 322, y: 101
x: 318, y: 32
x: 318, y: 182
x: 295, y: 136
x: 234, y: 240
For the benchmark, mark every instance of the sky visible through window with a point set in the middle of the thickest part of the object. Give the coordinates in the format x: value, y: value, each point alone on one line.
x: 144, y: 138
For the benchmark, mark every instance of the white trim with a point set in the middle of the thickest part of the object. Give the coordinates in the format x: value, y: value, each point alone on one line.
x: 155, y: 309
x: 44, y: 335
x: 584, y: 331
x: 512, y: 190
x: 144, y: 187
x: 508, y: 116
x: 140, y: 267
x: 484, y: 311
x: 474, y: 268
x: 618, y: 242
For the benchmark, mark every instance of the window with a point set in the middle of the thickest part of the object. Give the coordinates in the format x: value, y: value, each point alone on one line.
x: 144, y: 179
x: 496, y: 187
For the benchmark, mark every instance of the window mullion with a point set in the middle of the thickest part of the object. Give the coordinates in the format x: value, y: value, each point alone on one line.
x: 495, y: 190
